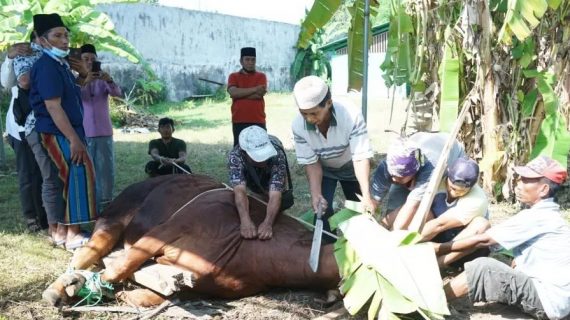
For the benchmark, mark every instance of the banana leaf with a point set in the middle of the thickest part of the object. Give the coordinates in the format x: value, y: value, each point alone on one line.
x: 321, y: 12
x: 397, y: 65
x: 553, y: 139
x: 522, y: 17
x: 449, y: 75
x: 409, y: 281
x: 356, y: 42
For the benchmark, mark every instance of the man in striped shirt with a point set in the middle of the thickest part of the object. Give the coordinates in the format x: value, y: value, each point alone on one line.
x: 331, y: 141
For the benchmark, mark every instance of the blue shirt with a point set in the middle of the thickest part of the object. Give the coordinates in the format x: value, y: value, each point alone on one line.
x: 51, y: 79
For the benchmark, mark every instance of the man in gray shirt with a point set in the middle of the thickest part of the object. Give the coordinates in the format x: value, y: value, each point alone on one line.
x: 539, y: 237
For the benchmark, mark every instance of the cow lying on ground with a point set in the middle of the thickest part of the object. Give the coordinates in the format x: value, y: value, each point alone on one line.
x: 190, y: 221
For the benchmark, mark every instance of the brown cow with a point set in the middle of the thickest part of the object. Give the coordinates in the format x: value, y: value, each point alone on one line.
x: 190, y: 221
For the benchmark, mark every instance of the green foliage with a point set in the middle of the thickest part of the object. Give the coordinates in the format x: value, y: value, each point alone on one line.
x: 409, y: 281
x: 321, y: 12
x: 553, y: 139
x: 86, y: 25
x: 311, y: 60
x: 149, y: 91
x: 397, y: 65
x: 449, y: 75
x: 523, y: 16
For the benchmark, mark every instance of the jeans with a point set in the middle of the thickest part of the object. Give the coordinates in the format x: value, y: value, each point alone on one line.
x: 328, y: 187
x: 101, y: 151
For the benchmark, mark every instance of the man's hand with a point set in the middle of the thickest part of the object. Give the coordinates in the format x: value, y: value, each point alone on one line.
x: 78, y: 66
x: 78, y: 151
x: 265, y: 230
x: 316, y: 201
x: 369, y: 205
x: 20, y: 49
x: 105, y: 76
x: 261, y: 90
x: 248, y: 229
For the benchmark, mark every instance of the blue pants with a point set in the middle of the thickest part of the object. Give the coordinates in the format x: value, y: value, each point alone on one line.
x: 328, y: 188
x: 101, y: 151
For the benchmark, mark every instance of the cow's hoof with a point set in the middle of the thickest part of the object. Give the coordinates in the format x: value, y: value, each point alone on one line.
x: 72, y: 283
x: 53, y: 297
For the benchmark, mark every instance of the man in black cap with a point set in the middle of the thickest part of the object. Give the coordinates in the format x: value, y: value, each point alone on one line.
x: 247, y: 88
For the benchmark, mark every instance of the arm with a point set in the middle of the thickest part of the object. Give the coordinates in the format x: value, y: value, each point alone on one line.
x: 76, y: 146
x: 477, y: 241
x: 112, y: 88
x: 154, y: 154
x: 266, y: 227
x: 181, y: 157
x: 434, y: 227
x: 406, y: 214
x: 314, y: 173
x: 362, y: 172
x: 247, y: 227
x: 256, y: 92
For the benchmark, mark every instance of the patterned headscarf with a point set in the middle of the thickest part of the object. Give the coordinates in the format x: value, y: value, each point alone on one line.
x: 403, y: 159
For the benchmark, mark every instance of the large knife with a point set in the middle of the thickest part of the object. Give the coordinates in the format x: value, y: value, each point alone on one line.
x: 317, y: 237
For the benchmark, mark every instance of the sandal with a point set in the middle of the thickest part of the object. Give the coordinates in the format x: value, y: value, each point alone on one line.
x: 77, y: 243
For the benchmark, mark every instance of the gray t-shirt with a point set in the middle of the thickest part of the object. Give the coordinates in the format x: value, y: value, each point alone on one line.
x: 540, y: 240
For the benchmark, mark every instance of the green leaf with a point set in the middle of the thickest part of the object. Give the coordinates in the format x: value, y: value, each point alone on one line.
x: 529, y: 103
x: 346, y: 257
x: 394, y: 301
x: 375, y: 305
x: 358, y: 289
x: 553, y: 139
x: 449, y: 74
x: 522, y: 17
x: 340, y: 217
x: 321, y: 12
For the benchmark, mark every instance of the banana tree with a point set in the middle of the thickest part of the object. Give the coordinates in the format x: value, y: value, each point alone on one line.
x: 86, y: 24
x: 321, y: 13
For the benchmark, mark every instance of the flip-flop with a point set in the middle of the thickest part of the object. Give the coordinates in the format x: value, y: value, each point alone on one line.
x: 58, y: 244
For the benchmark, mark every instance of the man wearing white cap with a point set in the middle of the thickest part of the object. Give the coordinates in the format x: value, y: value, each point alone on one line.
x: 258, y: 163
x: 331, y: 141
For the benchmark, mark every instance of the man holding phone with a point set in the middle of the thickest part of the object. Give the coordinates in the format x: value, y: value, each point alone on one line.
x: 96, y: 87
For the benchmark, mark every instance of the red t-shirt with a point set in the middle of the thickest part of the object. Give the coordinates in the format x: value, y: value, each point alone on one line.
x: 247, y: 110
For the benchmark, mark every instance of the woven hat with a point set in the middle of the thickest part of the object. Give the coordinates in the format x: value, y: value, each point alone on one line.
x: 309, y: 92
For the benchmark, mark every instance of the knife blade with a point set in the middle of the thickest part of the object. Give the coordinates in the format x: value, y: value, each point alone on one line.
x: 317, y: 237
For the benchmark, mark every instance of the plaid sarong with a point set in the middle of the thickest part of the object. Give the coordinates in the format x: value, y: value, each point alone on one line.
x: 78, y: 181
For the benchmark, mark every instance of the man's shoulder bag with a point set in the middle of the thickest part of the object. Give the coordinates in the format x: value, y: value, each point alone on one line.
x: 21, y: 107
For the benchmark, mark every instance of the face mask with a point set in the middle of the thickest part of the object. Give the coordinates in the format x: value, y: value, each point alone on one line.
x: 56, y: 52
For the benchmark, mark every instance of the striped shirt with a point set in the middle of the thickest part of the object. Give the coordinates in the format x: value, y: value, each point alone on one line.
x: 346, y: 140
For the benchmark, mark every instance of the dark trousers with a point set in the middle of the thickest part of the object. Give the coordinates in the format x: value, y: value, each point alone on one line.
x: 30, y: 183
x: 238, y: 127
x: 153, y: 169
x: 328, y: 188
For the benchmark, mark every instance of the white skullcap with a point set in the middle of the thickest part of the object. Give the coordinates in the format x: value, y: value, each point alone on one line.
x: 309, y: 92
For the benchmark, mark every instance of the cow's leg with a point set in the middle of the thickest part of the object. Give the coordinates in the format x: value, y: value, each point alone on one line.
x: 141, y: 297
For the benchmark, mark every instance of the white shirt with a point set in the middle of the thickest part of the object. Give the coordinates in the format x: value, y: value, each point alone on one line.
x: 346, y: 140
x: 540, y: 240
x: 8, y: 79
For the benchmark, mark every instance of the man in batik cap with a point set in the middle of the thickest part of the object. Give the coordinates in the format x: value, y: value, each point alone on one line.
x: 247, y: 88
x: 459, y: 210
x: 405, y: 173
x: 539, y: 237
x: 331, y: 141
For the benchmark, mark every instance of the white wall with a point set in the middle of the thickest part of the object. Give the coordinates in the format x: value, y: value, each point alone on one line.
x: 182, y: 45
x: 376, y: 86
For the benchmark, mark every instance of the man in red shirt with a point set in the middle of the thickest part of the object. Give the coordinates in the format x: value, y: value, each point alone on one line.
x: 247, y: 88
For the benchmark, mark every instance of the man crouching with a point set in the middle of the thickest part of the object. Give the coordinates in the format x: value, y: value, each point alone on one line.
x: 539, y: 237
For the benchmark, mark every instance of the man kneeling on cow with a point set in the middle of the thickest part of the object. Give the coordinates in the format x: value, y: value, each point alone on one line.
x: 258, y: 163
x: 539, y: 238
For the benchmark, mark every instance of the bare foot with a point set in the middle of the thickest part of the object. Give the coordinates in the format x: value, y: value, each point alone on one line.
x: 265, y: 230
x: 248, y: 230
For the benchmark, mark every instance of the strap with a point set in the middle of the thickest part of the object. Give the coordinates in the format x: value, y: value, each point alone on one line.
x: 290, y: 182
x: 255, y: 177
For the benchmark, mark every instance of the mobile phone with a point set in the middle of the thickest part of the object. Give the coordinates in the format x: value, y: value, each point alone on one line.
x: 96, y: 66
x: 74, y: 53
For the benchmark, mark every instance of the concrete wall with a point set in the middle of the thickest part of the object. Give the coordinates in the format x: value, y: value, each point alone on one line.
x: 376, y: 86
x: 183, y: 45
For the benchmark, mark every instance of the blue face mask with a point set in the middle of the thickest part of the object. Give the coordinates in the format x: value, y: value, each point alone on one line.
x: 56, y: 52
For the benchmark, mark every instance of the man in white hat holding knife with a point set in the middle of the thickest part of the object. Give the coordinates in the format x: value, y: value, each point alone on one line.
x: 331, y: 141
